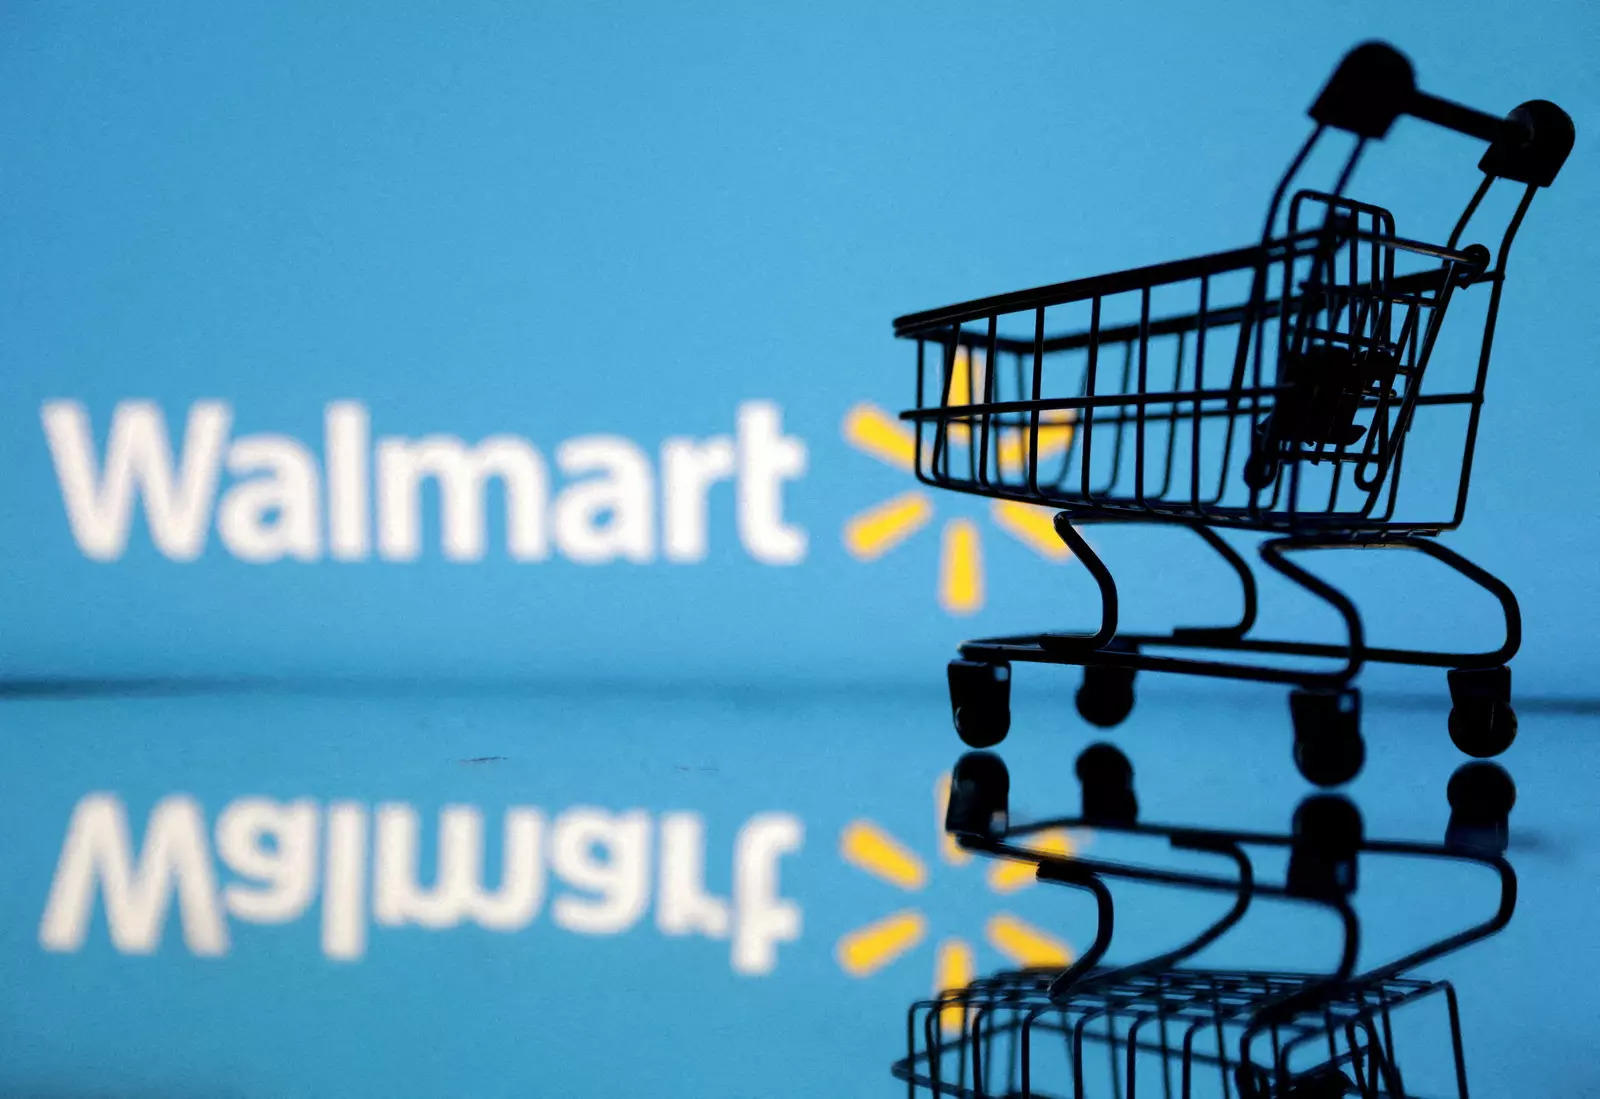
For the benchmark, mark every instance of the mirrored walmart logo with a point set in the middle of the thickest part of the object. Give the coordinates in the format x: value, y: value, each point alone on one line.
x: 873, y: 532
x: 870, y: 947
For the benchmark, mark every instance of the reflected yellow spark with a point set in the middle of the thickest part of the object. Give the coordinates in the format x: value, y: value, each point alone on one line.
x: 1033, y: 526
x: 873, y: 431
x: 960, y: 568
x: 1025, y: 944
x: 952, y: 851
x: 952, y: 969
x: 877, y: 530
x: 1006, y: 876
x: 867, y: 949
x: 865, y: 845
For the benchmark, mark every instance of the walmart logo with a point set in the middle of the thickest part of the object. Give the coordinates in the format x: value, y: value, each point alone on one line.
x: 357, y: 495
x: 870, y: 947
x: 875, y: 531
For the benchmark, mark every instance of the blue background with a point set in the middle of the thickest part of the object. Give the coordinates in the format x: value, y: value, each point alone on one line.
x: 628, y: 218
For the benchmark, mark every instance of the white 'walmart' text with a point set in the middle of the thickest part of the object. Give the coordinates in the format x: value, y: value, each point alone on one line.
x: 280, y: 504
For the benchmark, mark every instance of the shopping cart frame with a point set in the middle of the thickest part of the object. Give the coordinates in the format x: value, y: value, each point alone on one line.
x: 1371, y: 88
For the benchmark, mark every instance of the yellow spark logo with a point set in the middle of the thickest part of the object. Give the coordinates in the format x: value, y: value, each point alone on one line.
x: 865, y: 950
x: 875, y: 531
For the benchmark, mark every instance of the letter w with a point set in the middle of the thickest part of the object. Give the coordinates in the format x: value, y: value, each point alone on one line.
x: 98, y: 847
x: 138, y: 457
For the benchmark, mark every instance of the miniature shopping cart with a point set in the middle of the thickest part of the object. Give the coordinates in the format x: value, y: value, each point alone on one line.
x: 1185, y: 1030
x: 1273, y: 388
x: 1177, y: 1032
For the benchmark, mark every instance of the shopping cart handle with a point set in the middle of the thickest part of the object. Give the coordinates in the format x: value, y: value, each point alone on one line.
x: 1375, y: 84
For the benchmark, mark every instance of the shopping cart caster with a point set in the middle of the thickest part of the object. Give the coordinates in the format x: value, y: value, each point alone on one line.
x: 1328, y: 749
x: 1106, y: 697
x: 1106, y: 777
x: 1482, y: 722
x: 980, y: 792
x: 980, y: 701
x: 1481, y: 796
x: 1326, y: 832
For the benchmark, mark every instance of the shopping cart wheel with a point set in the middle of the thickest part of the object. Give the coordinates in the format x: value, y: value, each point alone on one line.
x: 980, y: 701
x: 1328, y: 748
x: 1327, y: 831
x: 1106, y: 697
x: 1482, y: 722
x: 1106, y: 777
x: 980, y: 793
x: 1481, y: 795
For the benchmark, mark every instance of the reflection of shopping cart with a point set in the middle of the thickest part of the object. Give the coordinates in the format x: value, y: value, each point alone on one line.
x: 1179, y: 1027
x: 1191, y: 1031
x: 1271, y: 388
x: 1176, y: 1030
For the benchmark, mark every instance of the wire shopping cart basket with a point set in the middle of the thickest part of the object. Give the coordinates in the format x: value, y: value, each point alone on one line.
x: 1180, y: 1029
x: 1271, y: 388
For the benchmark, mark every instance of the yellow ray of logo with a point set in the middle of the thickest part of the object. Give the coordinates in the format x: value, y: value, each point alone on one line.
x: 960, y: 568
x: 874, y: 532
x: 873, y: 431
x: 865, y: 845
x: 867, y: 949
x: 1025, y: 944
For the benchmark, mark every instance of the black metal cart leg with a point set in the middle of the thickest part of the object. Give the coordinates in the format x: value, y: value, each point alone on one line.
x: 1482, y: 722
x: 1090, y: 560
x: 1324, y: 706
x: 1272, y: 552
x: 1247, y: 586
x: 1106, y: 695
x: 1081, y: 549
x: 980, y: 690
x: 1490, y: 583
x: 1328, y: 749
